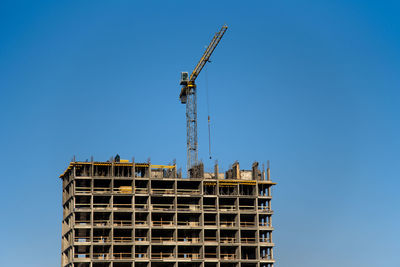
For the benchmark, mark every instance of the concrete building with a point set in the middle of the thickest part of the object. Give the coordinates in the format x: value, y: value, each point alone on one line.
x: 121, y: 213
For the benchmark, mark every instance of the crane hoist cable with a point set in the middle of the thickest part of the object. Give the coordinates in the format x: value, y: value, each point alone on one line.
x: 208, y: 116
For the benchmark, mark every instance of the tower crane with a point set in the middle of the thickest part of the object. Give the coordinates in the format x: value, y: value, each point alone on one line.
x: 188, y: 97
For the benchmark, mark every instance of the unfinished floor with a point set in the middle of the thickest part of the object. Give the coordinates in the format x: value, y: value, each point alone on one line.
x: 124, y: 214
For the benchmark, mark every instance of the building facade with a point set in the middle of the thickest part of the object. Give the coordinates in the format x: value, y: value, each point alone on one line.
x: 125, y: 214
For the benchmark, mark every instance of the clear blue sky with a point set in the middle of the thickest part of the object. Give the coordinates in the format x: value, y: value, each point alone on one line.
x: 312, y: 86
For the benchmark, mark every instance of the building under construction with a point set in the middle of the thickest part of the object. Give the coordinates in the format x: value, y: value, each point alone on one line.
x: 124, y: 214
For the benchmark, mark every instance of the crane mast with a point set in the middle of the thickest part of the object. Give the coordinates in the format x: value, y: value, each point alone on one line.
x: 188, y: 96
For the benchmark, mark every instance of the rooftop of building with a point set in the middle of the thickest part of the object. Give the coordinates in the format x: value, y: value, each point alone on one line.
x: 170, y: 171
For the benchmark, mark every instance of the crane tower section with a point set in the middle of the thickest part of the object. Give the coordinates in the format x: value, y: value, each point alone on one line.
x: 188, y: 97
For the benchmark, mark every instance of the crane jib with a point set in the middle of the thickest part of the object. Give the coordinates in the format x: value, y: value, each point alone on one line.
x: 206, y: 56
